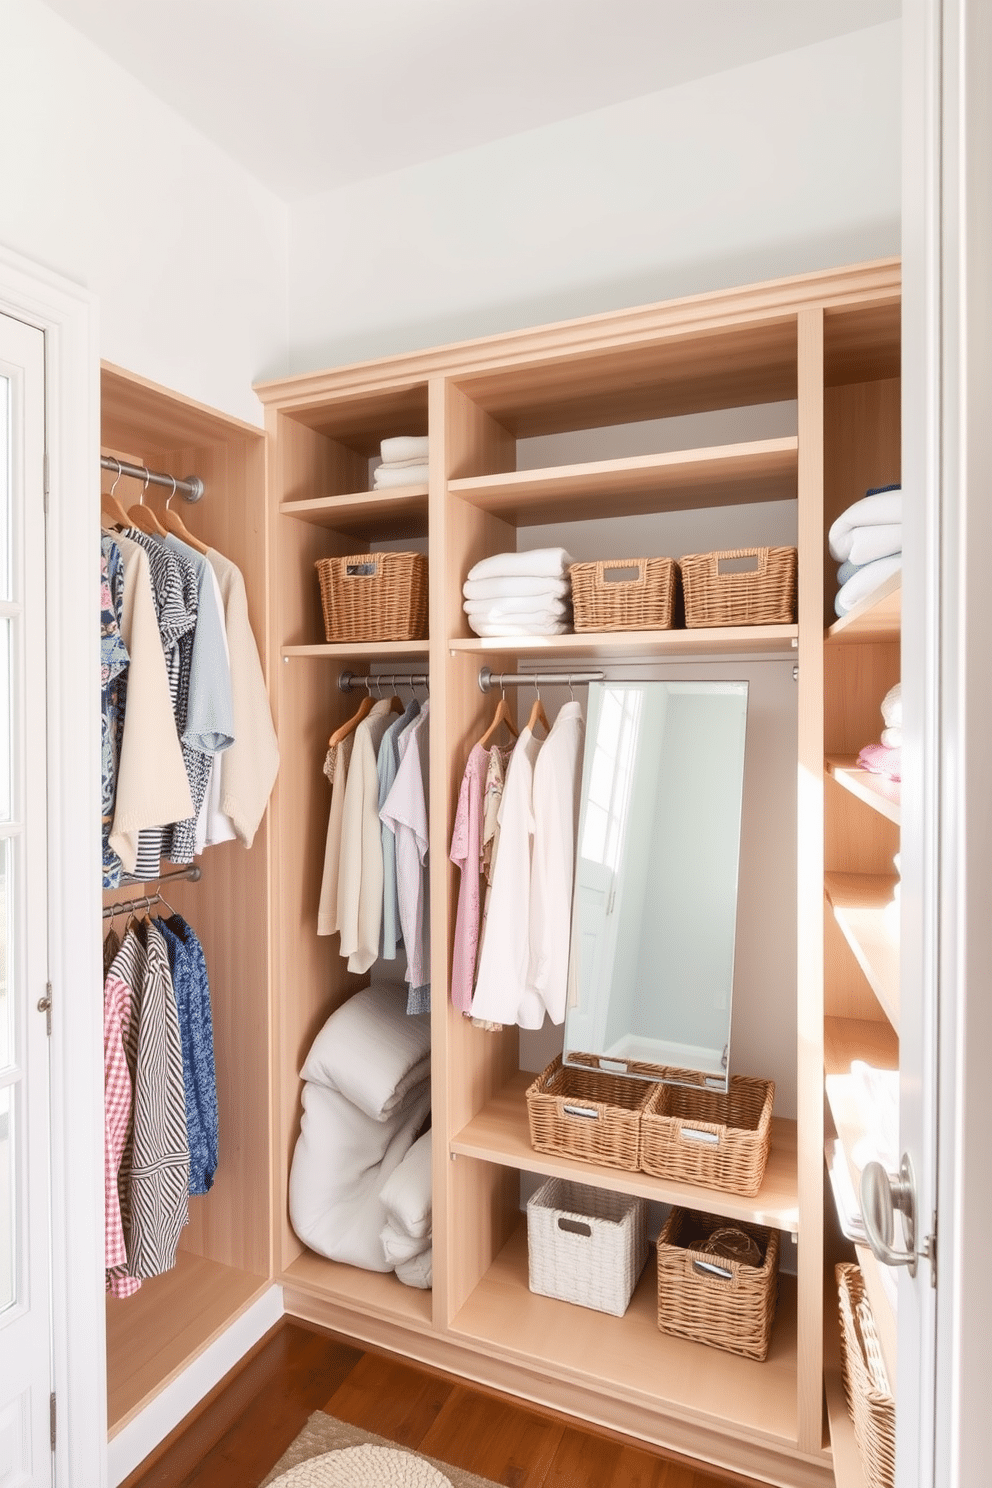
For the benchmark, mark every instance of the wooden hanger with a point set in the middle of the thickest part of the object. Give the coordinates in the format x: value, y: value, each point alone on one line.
x: 364, y: 709
x: 110, y: 507
x: 502, y: 715
x: 538, y: 716
x: 143, y: 517
x: 174, y: 523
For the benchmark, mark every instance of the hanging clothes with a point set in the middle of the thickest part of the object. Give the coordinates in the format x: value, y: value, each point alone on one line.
x: 213, y: 825
x: 114, y: 660
x: 406, y: 810
x: 117, y: 1105
x: 360, y: 871
x: 387, y: 764
x: 153, y: 1178
x: 471, y: 852
x: 192, y: 993
x: 557, y: 782
x: 336, y: 770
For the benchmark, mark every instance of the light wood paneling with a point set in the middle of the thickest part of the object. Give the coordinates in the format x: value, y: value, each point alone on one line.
x: 861, y: 452
x: 846, y: 1452
x: 153, y: 1335
x: 876, y: 618
x: 360, y: 653
x: 730, y: 640
x: 873, y: 790
x: 677, y: 481
x: 856, y: 679
x: 401, y: 512
x: 376, y: 1292
x: 863, y: 343
x: 359, y: 420
x: 500, y: 1134
x: 858, y: 902
x: 847, y: 1039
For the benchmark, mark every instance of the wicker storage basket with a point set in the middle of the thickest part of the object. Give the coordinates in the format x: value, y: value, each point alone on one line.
x: 587, y: 1114
x: 586, y: 1245
x: 644, y: 600
x: 762, y: 594
x: 374, y: 597
x: 708, y: 1136
x: 869, y: 1398
x: 724, y: 1303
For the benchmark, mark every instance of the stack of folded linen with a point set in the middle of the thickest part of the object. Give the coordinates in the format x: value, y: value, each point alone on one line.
x: 404, y: 462
x: 520, y: 594
x: 366, y: 1098
x: 885, y: 758
x: 406, y: 1198
x: 866, y: 540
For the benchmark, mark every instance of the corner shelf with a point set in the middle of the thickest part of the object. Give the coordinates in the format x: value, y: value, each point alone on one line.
x: 500, y: 1133
x: 723, y: 475
x: 752, y: 640
x: 858, y: 901
x: 877, y: 618
x: 875, y: 791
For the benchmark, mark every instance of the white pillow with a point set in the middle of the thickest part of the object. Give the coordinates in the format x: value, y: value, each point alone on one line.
x: 419, y: 1271
x: 399, y: 1247
x: 341, y: 1162
x: 372, y: 1050
x: 406, y: 1195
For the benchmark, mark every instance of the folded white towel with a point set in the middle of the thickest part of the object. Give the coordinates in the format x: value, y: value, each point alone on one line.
x: 508, y: 609
x: 523, y: 620
x: 877, y: 508
x: 516, y: 588
x: 404, y: 447
x: 372, y: 1050
x: 507, y: 628
x: 892, y: 707
x: 405, y: 475
x: 892, y: 738
x: 865, y: 581
x: 418, y: 1272
x: 537, y: 563
x: 880, y: 541
x: 399, y: 464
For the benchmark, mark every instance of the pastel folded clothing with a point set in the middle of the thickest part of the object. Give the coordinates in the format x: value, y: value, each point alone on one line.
x: 880, y: 541
x: 879, y: 507
x: 892, y: 707
x: 879, y: 760
x: 528, y: 606
x: 520, y: 587
x: 404, y: 448
x: 865, y: 582
x: 552, y: 563
x: 387, y: 476
x: 506, y: 628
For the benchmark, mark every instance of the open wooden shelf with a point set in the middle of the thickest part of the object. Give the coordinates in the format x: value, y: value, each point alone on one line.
x: 631, y: 1356
x: 881, y: 795
x: 858, y: 901
x: 725, y: 475
x: 154, y: 1335
x: 500, y: 1133
x: 878, y: 617
x: 847, y: 1039
x: 844, y: 1448
x: 366, y: 650
x: 375, y: 1292
x: 755, y: 640
x: 399, y: 512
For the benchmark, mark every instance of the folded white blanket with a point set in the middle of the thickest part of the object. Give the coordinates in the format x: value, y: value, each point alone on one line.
x: 372, y: 1051
x: 404, y: 447
x: 865, y: 581
x: 418, y: 1272
x: 398, y: 1246
x: 521, y: 587
x: 892, y: 738
x: 875, y: 509
x: 387, y: 476
x: 537, y: 563
x: 528, y: 607
x: 892, y: 707
x: 507, y: 628
x: 407, y: 1194
x: 880, y: 541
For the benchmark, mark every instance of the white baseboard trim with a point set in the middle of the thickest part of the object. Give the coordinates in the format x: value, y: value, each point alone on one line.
x: 142, y: 1435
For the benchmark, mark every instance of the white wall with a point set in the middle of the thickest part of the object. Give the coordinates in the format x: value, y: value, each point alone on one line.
x: 783, y: 166
x: 102, y: 182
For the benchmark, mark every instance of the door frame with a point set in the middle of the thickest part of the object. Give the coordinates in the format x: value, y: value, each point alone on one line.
x: 66, y: 313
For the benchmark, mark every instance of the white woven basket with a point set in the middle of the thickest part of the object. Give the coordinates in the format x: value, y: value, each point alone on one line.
x: 586, y: 1245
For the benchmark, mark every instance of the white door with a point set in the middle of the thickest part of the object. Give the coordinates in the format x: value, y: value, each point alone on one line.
x: 25, y: 1273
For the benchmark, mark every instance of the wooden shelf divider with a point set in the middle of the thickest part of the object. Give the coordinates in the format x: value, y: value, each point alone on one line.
x: 877, y: 618
x: 754, y: 640
x: 399, y: 512
x: 362, y: 650
x: 880, y: 794
x: 858, y: 901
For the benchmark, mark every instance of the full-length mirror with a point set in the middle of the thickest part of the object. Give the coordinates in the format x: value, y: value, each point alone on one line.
x: 655, y: 905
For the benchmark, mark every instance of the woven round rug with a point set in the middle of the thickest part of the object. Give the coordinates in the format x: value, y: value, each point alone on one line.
x: 363, y: 1467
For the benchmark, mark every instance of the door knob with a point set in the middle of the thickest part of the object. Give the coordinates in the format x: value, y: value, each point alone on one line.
x: 881, y: 1195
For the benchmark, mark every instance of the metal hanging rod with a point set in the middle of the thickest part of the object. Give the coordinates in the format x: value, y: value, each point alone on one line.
x: 145, y: 901
x: 191, y: 487
x: 348, y: 681
x: 489, y: 679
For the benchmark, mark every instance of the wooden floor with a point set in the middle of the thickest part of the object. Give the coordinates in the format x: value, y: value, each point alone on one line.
x: 247, y: 1423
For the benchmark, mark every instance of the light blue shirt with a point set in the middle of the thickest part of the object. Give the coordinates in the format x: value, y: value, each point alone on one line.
x: 386, y: 764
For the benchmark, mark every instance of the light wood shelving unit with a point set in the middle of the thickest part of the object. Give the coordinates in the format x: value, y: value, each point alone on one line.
x: 861, y: 658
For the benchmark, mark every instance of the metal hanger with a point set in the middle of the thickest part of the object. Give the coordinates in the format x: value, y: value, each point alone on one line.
x: 110, y: 507
x: 142, y: 516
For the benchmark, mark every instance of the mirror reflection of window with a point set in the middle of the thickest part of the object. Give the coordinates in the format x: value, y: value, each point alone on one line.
x: 611, y: 778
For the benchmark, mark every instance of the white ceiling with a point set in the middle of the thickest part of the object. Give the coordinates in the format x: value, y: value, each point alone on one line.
x: 311, y: 94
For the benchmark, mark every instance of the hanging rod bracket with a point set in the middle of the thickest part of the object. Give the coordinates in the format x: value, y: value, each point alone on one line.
x: 349, y: 681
